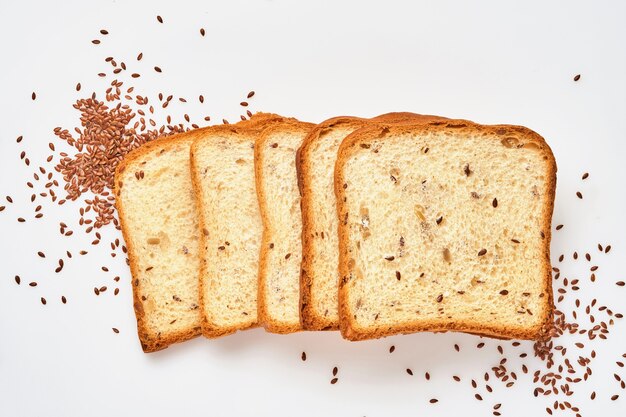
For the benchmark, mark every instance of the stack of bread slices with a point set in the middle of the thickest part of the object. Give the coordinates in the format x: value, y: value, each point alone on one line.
x: 394, y: 224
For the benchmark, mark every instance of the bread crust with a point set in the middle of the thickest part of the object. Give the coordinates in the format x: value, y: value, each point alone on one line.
x: 309, y: 317
x: 149, y: 343
x: 241, y: 131
x: 264, y: 318
x: 349, y: 329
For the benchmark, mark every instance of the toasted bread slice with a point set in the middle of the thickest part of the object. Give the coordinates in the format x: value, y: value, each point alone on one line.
x: 281, y: 247
x: 316, y: 161
x: 445, y: 226
x: 154, y: 199
x: 222, y: 170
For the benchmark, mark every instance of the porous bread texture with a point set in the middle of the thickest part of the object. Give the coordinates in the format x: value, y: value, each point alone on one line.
x: 155, y: 202
x: 222, y: 170
x: 316, y: 159
x: 281, y: 247
x: 444, y: 227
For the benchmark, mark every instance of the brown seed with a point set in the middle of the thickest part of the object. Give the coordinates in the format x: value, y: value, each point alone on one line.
x: 160, y: 19
x: 440, y: 298
x: 494, y: 203
x: 409, y: 371
x: 43, y: 301
x: 202, y: 32
x: 398, y: 275
x: 335, y: 370
x: 135, y: 75
x: 559, y: 227
x: 614, y: 397
x: 115, y: 330
x: 63, y: 299
x: 579, y: 194
x: 250, y: 94
x: 427, y: 376
x: 504, y: 292
x: 41, y: 254
x: 157, y: 69
x: 392, y: 348
x: 96, y: 41
x: 457, y: 348
x: 478, y: 397
x: 620, y: 283
x: 585, y: 175
x: 482, y: 252
x: 433, y: 401
x: 104, y: 31
x: 576, y: 77
x: 244, y: 104
x: 607, y: 249
x: 334, y: 381
x: 33, y: 284
x: 303, y: 356
x: 33, y: 96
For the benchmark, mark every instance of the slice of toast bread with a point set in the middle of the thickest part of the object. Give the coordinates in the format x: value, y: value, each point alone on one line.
x: 316, y: 162
x: 222, y: 171
x: 281, y: 247
x: 445, y: 226
x: 154, y: 199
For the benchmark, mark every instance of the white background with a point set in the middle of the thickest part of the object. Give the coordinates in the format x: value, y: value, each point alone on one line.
x: 488, y: 61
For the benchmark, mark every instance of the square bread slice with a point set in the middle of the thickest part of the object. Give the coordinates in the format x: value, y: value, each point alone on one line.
x: 281, y: 247
x: 222, y: 171
x: 316, y: 162
x: 445, y: 226
x: 155, y: 202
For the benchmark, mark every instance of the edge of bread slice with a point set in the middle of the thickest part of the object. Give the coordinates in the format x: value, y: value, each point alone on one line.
x: 368, y: 260
x: 281, y: 244
x: 222, y: 171
x: 163, y: 255
x: 319, y: 275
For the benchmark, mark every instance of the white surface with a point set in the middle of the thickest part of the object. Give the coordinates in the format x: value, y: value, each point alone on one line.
x: 492, y: 62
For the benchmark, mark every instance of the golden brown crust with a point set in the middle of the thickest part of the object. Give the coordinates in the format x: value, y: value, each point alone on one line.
x: 148, y: 342
x: 240, y: 131
x: 309, y: 317
x: 264, y: 317
x: 348, y: 327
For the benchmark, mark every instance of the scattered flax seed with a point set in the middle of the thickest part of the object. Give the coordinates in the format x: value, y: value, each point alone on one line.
x: 202, y: 32
x: 585, y: 175
x: 456, y: 378
x: 135, y: 75
x: 334, y: 381
x: 504, y: 292
x: 457, y: 348
x: 494, y: 203
x: 607, y: 249
x: 482, y: 252
x: 104, y: 31
x: 576, y: 77
x: 478, y: 397
x: 427, y: 376
x: 614, y: 397
x: 18, y: 279
x: 33, y: 284
x: 43, y: 301
x: 579, y: 195
x: 480, y: 345
x: 244, y: 104
x: 96, y: 41
x: 63, y: 299
x: 160, y: 19
x: 140, y: 56
x: 559, y: 227
x: 409, y: 371
x: 250, y: 94
x: 157, y: 69
x: 620, y: 283
x: 303, y: 356
x: 335, y: 370
x: 115, y: 330
x: 33, y: 96
x: 433, y: 401
x: 19, y: 139
x: 392, y: 348
x: 440, y: 298
x: 41, y: 254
